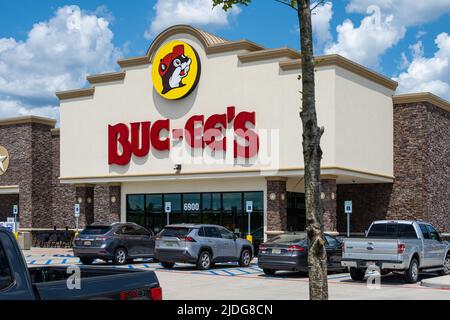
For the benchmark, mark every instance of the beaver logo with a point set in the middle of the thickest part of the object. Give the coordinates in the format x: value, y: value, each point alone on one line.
x: 173, y: 68
x: 176, y: 70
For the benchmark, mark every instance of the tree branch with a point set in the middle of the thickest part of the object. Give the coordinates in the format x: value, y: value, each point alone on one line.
x: 317, y: 4
x: 285, y: 3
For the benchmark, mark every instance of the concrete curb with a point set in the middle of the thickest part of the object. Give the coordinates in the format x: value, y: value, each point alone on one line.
x: 437, y: 283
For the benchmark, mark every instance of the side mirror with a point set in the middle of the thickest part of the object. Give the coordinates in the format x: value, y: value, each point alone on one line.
x: 235, y: 237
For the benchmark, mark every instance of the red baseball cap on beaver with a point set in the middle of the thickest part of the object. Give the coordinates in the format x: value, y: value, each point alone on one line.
x: 167, y: 60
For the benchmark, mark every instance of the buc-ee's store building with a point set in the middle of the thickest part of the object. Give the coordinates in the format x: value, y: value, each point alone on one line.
x: 207, y: 125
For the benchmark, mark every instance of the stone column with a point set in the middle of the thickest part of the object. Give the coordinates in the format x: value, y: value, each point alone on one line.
x: 328, y: 197
x: 276, y: 204
x: 107, y: 203
x: 84, y: 195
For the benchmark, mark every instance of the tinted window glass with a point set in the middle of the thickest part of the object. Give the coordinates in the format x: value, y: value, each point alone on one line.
x: 175, y: 232
x: 332, y: 241
x: 95, y: 230
x: 6, y: 278
x: 142, y: 232
x: 434, y: 235
x: 212, y: 232
x: 225, y: 234
x: 129, y: 230
x: 392, y: 230
x: 406, y: 231
x: 290, y: 238
x: 423, y: 228
x: 201, y: 232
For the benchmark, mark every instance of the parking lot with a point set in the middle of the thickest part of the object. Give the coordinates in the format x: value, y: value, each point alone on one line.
x: 228, y: 281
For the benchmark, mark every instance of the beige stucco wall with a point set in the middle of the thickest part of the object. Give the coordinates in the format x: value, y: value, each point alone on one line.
x: 351, y: 110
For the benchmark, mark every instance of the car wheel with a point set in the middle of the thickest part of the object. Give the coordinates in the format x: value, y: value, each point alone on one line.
x: 167, y: 265
x: 87, y: 260
x: 446, y: 270
x: 204, y: 261
x: 357, y: 274
x: 412, y: 274
x: 120, y: 256
x: 269, y: 272
x: 246, y: 258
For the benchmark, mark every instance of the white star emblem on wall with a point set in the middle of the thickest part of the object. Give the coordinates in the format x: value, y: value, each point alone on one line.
x: 2, y: 159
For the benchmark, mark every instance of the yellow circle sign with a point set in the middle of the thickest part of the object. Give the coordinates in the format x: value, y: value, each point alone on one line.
x: 4, y: 160
x: 176, y: 70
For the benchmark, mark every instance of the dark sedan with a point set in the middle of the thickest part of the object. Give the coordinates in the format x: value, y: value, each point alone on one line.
x: 119, y: 243
x: 290, y: 252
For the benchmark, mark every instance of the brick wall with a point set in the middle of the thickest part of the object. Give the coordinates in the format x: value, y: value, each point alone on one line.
x: 63, y: 196
x: 277, y: 208
x: 17, y: 139
x: 421, y: 189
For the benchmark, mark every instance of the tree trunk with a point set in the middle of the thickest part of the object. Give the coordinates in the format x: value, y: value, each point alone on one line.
x: 312, y: 153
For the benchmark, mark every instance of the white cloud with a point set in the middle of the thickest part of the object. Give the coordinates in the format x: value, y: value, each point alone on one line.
x: 321, y: 19
x: 428, y: 74
x: 367, y: 42
x: 194, y: 12
x: 406, y: 12
x: 384, y: 27
x: 57, y: 55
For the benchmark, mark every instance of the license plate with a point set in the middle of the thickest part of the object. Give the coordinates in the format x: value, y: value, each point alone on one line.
x: 87, y: 243
x: 276, y: 251
x: 168, y: 243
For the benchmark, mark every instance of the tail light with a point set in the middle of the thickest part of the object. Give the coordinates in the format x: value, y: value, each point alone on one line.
x: 101, y: 238
x: 400, y: 248
x: 262, y: 248
x: 157, y: 238
x: 156, y: 293
x: 296, y: 249
x: 343, y: 247
x: 129, y: 295
x: 188, y: 239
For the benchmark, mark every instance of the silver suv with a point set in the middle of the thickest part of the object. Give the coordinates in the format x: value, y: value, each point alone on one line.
x: 201, y: 244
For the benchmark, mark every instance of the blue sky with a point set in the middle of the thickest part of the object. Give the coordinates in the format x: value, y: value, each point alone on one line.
x: 47, y: 46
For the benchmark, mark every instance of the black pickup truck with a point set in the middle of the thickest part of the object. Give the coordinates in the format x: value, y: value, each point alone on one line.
x: 19, y: 282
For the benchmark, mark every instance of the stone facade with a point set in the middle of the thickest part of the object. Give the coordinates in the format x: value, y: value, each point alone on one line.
x: 107, y: 203
x: 328, y: 190
x: 276, y: 207
x: 421, y: 189
x: 34, y: 147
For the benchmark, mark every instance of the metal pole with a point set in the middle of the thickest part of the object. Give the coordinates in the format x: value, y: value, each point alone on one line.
x: 249, y: 222
x: 348, y: 225
x: 168, y: 218
x: 77, y: 223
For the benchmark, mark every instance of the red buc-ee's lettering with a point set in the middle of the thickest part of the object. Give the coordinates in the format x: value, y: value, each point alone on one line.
x: 138, y: 138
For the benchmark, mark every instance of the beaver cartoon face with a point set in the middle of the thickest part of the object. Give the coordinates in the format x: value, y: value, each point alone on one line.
x: 173, y: 68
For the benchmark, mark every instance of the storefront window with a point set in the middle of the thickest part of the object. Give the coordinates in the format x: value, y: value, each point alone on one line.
x: 296, y: 211
x: 136, y: 209
x: 257, y: 216
x: 226, y: 209
x: 176, y: 215
x: 232, y: 211
x: 154, y: 212
x: 192, y: 207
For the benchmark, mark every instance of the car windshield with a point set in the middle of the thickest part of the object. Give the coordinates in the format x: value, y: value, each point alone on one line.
x: 175, y: 232
x: 95, y: 230
x: 289, y: 238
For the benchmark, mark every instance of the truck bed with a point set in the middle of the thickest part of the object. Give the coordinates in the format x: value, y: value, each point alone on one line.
x: 50, y: 283
x: 371, y: 249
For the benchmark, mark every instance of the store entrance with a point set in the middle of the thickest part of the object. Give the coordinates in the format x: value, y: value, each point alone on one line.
x: 296, y: 211
x: 222, y: 208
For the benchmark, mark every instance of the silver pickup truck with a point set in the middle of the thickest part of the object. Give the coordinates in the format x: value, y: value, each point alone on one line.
x: 406, y: 246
